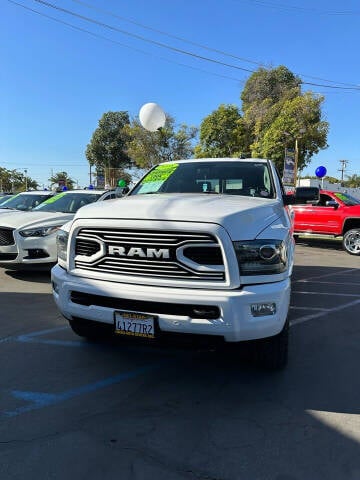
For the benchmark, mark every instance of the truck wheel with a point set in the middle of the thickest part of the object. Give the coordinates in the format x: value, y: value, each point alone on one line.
x: 272, y: 352
x: 89, y: 330
x: 351, y: 241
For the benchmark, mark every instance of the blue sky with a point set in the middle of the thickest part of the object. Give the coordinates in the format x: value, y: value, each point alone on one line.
x: 56, y: 81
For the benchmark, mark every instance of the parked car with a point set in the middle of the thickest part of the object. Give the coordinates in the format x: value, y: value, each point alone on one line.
x: 335, y: 214
x: 25, y: 201
x: 28, y: 239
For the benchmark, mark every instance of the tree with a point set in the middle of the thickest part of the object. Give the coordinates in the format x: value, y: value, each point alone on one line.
x: 147, y: 149
x: 299, y: 119
x: 223, y: 133
x: 62, y: 179
x: 107, y: 149
x: 269, y: 86
x: 353, y: 181
x: 15, y: 181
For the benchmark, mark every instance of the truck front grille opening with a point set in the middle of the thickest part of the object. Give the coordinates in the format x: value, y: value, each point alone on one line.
x: 208, y: 312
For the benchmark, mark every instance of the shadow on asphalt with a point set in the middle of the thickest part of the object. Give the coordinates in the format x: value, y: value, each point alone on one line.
x: 323, y: 243
x: 39, y: 276
x: 198, y: 411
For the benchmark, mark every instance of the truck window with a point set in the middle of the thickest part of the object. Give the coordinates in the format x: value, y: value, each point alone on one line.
x: 230, y: 178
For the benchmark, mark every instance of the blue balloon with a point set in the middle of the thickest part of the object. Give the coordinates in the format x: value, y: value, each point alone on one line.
x: 320, y: 172
x: 64, y: 189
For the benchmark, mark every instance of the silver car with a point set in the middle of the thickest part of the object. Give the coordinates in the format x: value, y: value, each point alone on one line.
x: 28, y: 239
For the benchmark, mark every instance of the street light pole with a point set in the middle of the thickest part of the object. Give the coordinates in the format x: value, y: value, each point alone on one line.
x: 296, y: 156
x: 296, y: 161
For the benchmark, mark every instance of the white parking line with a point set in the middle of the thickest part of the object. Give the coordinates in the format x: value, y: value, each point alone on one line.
x: 306, y: 318
x: 333, y: 274
x: 356, y: 295
x: 329, y: 283
x: 316, y: 309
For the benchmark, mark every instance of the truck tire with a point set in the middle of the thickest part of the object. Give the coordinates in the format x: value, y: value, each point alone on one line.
x: 272, y: 352
x: 351, y: 241
x: 90, y: 330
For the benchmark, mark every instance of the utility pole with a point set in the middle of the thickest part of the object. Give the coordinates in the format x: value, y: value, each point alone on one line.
x: 343, y: 168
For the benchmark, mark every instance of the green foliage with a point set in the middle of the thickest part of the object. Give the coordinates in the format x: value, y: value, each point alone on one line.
x: 62, y: 179
x: 108, y: 145
x: 15, y: 181
x: 223, y: 133
x: 298, y: 119
x: 147, y: 149
x: 332, y: 179
x: 353, y: 181
x: 276, y: 115
x: 269, y: 86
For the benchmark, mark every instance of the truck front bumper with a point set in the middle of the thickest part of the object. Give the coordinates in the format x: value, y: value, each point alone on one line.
x: 236, y: 321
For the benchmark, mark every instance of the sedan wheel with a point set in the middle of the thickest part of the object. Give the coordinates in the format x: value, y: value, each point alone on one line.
x: 351, y: 241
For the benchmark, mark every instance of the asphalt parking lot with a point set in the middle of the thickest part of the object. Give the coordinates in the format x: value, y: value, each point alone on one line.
x: 79, y: 410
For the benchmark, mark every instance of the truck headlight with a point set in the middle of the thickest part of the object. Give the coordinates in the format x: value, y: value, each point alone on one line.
x: 39, y: 231
x: 261, y: 257
x: 62, y: 239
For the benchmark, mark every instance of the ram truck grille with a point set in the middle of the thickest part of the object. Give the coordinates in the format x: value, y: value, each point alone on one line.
x: 165, y: 254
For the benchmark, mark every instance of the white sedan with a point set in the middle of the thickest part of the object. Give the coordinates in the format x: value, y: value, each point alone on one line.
x: 28, y: 239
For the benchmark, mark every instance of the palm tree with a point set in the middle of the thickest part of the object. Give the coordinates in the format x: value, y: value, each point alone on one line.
x: 353, y: 181
x: 62, y: 179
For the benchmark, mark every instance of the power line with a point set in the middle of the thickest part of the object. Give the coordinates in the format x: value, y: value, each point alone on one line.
x: 160, y: 44
x: 140, y: 37
x: 205, y: 47
x: 170, y: 35
x: 96, y: 35
x: 311, y: 10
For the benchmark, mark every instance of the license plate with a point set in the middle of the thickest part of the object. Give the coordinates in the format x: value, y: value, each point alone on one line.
x: 134, y: 324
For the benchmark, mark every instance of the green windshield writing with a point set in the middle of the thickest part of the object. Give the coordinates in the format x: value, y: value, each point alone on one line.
x: 161, y: 173
x: 53, y: 199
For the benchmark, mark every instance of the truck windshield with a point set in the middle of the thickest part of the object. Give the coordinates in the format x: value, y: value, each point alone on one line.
x: 347, y: 199
x: 230, y: 178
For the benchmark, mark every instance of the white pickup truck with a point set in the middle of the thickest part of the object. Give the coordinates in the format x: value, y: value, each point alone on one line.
x: 200, y: 246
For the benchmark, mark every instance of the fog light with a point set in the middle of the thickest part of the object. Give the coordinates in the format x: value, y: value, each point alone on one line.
x: 263, y: 309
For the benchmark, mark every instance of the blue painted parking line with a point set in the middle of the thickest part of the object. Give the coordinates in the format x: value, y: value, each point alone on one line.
x: 34, y: 338
x: 39, y: 400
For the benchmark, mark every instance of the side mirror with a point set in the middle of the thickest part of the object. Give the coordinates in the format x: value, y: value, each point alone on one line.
x: 332, y: 203
x: 304, y: 195
x: 289, y: 199
x: 121, y: 191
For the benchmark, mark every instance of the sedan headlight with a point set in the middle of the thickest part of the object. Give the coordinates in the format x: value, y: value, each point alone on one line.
x: 62, y: 239
x: 39, y: 231
x: 261, y: 257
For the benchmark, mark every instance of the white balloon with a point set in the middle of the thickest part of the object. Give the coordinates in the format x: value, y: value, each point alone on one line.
x: 152, y: 116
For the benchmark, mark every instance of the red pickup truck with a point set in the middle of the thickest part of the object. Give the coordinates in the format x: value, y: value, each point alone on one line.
x: 336, y: 214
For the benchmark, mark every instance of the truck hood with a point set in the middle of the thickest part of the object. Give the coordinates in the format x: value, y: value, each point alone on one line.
x: 242, y: 217
x: 34, y: 219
